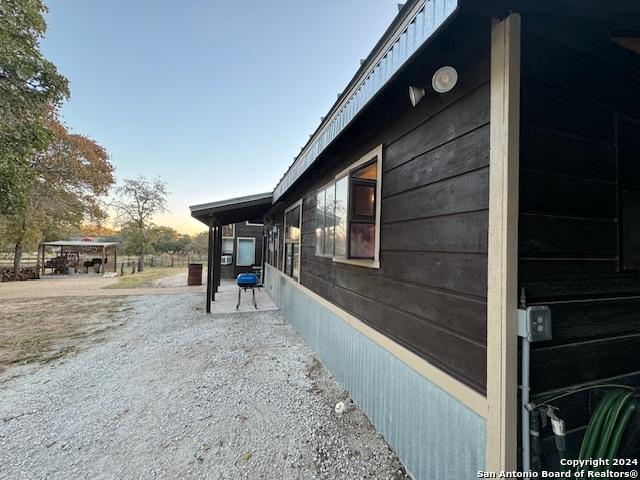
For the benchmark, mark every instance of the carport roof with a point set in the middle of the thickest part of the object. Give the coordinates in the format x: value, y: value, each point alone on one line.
x: 78, y: 243
x: 233, y: 210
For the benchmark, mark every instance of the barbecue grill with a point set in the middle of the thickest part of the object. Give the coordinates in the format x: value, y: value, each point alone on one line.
x: 247, y: 281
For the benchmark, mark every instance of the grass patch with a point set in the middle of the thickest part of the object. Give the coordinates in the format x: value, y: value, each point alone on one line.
x: 145, y: 278
x: 41, y: 331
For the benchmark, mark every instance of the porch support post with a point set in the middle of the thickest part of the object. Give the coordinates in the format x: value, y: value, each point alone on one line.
x: 214, y: 259
x: 219, y: 257
x: 502, y: 292
x: 209, y: 266
x: 214, y: 266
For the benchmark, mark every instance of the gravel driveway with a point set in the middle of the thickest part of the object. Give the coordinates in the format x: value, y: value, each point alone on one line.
x: 176, y: 394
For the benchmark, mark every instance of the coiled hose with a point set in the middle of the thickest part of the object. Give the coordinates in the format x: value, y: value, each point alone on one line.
x: 607, y: 425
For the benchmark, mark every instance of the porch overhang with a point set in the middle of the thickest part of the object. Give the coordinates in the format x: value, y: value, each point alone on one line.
x: 225, y: 212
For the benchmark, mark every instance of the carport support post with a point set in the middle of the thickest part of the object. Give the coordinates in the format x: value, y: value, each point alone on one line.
x: 41, y: 252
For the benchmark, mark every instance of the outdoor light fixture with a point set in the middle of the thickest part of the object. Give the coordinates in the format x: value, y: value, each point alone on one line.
x: 416, y: 94
x: 444, y: 79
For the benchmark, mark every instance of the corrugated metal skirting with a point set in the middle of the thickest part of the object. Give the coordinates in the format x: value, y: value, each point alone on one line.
x: 435, y: 436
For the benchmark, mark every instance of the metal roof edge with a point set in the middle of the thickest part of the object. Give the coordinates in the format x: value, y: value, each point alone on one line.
x: 231, y: 201
x: 383, y: 48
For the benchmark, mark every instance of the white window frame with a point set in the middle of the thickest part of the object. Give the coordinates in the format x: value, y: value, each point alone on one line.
x: 253, y: 240
x: 284, y: 239
x: 232, y: 252
x: 248, y: 223
x: 363, y: 262
x: 233, y: 226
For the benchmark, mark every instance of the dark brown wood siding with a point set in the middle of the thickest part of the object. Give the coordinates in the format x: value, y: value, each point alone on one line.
x: 248, y: 231
x: 576, y: 98
x: 430, y: 292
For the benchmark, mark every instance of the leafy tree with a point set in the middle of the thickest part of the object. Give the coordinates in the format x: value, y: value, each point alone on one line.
x: 28, y: 84
x: 68, y: 178
x: 137, y: 202
x: 199, y: 243
x: 168, y: 240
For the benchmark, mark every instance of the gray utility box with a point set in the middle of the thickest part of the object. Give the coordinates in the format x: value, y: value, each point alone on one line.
x: 534, y: 323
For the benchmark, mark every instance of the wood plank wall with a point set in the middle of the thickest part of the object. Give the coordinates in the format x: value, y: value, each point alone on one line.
x: 572, y: 109
x: 430, y: 292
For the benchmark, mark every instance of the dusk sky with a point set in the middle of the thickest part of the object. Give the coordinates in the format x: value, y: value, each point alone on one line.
x: 216, y: 97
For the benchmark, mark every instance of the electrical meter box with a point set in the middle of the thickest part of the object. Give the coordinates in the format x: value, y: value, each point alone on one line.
x: 534, y: 323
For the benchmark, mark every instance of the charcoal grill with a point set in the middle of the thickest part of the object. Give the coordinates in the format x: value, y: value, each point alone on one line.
x: 247, y: 281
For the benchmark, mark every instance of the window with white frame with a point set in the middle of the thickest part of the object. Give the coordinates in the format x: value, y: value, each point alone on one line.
x: 292, y: 230
x: 246, y: 254
x: 228, y: 234
x: 228, y: 231
x: 348, y: 213
x: 227, y: 246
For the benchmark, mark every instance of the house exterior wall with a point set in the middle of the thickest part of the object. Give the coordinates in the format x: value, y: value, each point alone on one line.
x: 579, y: 155
x: 435, y: 435
x: 423, y: 383
x: 429, y: 293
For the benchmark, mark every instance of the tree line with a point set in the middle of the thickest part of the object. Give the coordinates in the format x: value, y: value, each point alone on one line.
x: 54, y: 180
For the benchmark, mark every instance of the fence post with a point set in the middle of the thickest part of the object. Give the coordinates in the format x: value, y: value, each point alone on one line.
x: 122, y: 269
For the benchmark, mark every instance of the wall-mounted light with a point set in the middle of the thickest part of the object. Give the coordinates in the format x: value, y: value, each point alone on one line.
x: 444, y: 79
x: 416, y: 94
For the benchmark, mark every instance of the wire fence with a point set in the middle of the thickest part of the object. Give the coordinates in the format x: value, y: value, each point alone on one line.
x: 129, y: 264
x: 125, y: 263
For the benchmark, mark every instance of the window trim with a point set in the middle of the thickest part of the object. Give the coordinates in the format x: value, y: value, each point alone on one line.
x: 248, y: 223
x: 233, y: 226
x: 253, y: 240
x: 375, y: 154
x: 284, y: 239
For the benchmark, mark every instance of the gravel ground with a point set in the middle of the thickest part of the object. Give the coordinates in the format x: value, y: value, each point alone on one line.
x: 176, y: 394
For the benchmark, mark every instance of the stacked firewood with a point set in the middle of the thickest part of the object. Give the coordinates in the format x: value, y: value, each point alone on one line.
x: 26, y: 273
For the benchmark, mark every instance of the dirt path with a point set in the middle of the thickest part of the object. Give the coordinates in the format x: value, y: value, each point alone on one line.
x: 173, y: 393
x: 87, y: 286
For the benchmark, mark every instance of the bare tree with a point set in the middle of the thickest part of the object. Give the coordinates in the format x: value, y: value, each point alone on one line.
x: 137, y: 202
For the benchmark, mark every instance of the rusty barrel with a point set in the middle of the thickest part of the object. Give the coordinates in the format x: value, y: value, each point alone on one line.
x: 195, y: 274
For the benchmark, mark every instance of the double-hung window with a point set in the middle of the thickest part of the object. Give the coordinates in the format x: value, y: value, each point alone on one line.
x: 348, y: 214
x: 228, y: 235
x: 292, y: 229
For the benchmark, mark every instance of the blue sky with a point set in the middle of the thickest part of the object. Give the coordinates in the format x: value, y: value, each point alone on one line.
x: 216, y: 97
